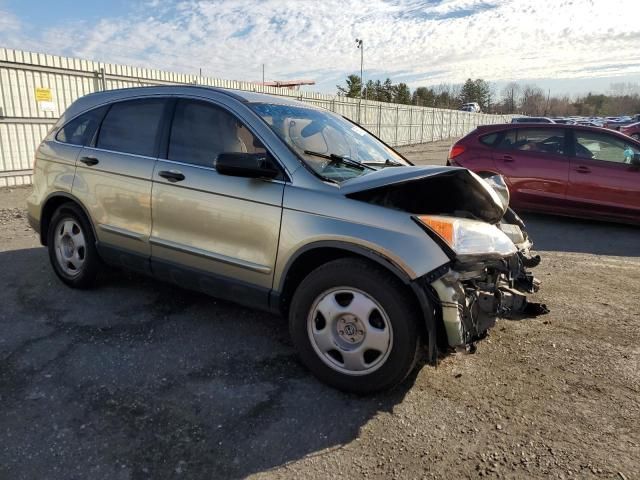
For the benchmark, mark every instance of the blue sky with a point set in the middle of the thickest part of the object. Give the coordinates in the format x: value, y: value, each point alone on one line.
x: 568, y: 46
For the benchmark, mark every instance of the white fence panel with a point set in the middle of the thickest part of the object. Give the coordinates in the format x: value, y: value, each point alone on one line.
x: 24, y: 122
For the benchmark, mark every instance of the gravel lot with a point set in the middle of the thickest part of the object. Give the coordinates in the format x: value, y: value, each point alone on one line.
x: 139, y: 379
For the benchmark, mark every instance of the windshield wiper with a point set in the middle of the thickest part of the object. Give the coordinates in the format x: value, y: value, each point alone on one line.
x: 339, y: 159
x: 387, y: 163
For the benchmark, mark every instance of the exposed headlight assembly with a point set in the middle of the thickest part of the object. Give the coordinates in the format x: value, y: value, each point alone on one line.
x: 469, y: 238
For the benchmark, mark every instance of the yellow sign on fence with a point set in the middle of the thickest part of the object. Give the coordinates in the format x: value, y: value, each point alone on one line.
x: 43, y: 95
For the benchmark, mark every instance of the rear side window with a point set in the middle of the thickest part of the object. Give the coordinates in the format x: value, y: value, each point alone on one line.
x: 543, y: 140
x: 201, y: 131
x: 132, y: 127
x: 81, y: 129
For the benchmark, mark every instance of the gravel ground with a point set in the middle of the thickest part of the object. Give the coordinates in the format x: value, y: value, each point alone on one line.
x: 139, y: 379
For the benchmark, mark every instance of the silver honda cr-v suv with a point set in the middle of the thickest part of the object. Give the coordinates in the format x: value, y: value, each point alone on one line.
x: 278, y: 205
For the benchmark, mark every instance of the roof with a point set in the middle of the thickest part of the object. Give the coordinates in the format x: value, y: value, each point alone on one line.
x: 94, y: 99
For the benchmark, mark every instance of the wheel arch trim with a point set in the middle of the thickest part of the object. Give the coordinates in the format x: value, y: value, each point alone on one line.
x: 347, y: 247
x: 70, y: 198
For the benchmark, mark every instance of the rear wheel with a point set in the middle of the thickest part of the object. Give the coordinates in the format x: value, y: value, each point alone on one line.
x: 354, y: 326
x: 72, y: 249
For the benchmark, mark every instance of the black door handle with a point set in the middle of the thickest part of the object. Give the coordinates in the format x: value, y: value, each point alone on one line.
x: 583, y: 169
x: 507, y: 158
x: 89, y: 161
x: 172, y: 175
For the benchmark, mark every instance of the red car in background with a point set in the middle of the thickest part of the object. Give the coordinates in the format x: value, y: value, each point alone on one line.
x: 632, y: 130
x: 560, y: 169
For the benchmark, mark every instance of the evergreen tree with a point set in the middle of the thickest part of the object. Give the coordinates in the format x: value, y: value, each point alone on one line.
x: 353, y: 87
x: 387, y: 91
x: 402, y: 94
x: 424, y: 97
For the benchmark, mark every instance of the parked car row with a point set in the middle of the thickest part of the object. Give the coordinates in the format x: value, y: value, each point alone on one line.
x: 588, y: 122
x: 613, y: 123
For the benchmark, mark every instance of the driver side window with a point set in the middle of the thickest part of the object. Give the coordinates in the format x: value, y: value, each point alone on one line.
x: 542, y: 140
x: 201, y: 131
x: 601, y: 146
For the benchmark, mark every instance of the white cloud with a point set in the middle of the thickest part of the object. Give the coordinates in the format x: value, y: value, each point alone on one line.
x: 9, y: 23
x: 416, y: 41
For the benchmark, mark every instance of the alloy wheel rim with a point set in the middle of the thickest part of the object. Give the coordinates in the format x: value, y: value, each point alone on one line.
x: 70, y: 247
x: 350, y: 331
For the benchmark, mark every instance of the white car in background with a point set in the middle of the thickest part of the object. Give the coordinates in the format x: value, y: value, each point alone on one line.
x: 470, y: 107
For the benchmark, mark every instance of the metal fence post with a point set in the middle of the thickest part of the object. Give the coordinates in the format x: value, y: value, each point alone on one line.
x: 433, y: 123
x: 397, y: 122
x: 422, y: 126
x: 380, y: 121
x: 410, y: 123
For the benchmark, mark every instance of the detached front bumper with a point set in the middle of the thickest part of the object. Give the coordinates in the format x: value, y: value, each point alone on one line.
x: 471, y: 296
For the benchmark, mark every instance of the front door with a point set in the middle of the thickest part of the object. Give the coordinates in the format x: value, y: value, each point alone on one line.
x: 535, y: 163
x: 213, y: 232
x: 602, y: 179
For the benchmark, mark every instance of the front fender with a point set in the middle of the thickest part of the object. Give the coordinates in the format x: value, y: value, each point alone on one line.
x: 398, y: 243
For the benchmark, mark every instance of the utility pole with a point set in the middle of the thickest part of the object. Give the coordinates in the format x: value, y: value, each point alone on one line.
x: 546, y: 108
x: 263, y: 74
x: 360, y: 45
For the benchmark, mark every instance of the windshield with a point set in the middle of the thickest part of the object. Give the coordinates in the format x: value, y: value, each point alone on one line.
x: 331, y: 146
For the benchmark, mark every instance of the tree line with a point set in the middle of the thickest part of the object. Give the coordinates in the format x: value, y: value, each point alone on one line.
x: 513, y: 98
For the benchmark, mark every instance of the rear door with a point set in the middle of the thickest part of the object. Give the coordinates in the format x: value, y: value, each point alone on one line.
x: 213, y: 232
x: 113, y: 179
x: 535, y: 163
x: 602, y: 180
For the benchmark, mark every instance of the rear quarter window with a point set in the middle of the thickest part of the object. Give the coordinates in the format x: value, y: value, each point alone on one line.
x: 81, y: 129
x: 489, y: 139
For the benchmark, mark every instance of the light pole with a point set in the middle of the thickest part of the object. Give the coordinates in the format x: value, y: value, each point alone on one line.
x: 360, y: 45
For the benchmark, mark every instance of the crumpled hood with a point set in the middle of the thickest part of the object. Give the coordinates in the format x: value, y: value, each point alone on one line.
x: 430, y: 189
x: 389, y: 176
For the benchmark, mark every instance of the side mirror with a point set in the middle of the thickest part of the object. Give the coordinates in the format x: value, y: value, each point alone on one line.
x: 248, y: 165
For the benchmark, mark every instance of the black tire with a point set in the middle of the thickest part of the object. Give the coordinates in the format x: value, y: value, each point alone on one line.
x: 85, y: 276
x: 385, y: 289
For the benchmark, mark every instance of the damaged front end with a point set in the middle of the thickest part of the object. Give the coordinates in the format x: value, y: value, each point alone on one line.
x: 472, y: 295
x: 488, y: 246
x: 476, y: 288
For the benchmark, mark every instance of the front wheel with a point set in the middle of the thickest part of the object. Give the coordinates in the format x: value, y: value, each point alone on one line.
x: 636, y: 136
x: 355, y: 326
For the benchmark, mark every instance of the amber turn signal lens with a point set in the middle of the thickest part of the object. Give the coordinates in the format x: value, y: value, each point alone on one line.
x: 443, y: 228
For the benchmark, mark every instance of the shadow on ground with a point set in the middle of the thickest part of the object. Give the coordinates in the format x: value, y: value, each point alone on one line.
x: 139, y: 379
x: 563, y: 234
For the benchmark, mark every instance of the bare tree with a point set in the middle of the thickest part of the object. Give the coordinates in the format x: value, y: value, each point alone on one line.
x: 510, y: 94
x: 533, y: 100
